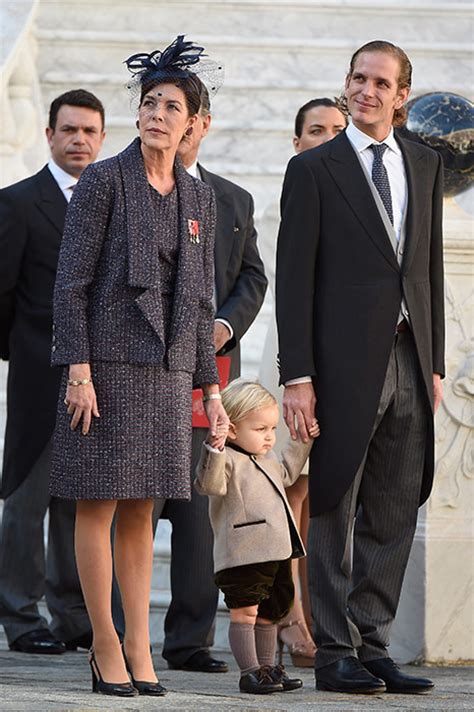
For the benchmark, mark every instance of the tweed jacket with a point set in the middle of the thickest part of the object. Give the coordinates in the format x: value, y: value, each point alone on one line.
x: 107, y: 300
x: 250, y: 515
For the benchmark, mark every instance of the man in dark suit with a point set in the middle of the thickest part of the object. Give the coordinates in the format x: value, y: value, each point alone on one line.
x: 32, y: 214
x: 240, y: 286
x: 361, y: 325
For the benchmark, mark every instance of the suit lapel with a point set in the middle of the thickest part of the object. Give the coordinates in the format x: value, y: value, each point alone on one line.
x: 297, y: 544
x: 225, y: 225
x: 140, y: 223
x: 51, y: 201
x: 414, y: 161
x: 142, y: 240
x: 267, y: 471
x: 143, y: 257
x: 346, y: 170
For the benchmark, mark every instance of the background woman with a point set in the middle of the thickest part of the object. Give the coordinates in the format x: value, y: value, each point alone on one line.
x: 134, y: 323
x: 316, y: 122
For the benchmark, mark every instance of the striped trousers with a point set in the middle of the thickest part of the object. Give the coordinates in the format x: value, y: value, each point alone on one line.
x: 358, y: 552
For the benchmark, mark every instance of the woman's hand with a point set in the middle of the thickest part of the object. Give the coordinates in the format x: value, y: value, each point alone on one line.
x: 218, y: 423
x: 81, y: 401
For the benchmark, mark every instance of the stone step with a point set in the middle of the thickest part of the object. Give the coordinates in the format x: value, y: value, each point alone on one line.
x: 269, y: 59
x: 236, y: 102
x: 412, y: 20
x: 237, y: 145
x: 257, y: 104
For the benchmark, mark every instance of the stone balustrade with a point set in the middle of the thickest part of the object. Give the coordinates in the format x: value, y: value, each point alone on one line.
x: 22, y: 114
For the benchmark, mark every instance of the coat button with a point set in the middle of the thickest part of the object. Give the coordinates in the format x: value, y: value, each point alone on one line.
x: 53, y: 349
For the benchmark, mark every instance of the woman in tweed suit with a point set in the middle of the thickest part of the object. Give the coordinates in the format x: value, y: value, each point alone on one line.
x: 133, y: 321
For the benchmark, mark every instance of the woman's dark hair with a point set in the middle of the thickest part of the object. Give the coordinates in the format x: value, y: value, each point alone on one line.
x: 312, y: 104
x: 191, y: 87
x: 404, y: 78
x: 75, y: 97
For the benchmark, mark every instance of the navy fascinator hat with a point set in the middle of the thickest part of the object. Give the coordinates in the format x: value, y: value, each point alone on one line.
x: 178, y: 62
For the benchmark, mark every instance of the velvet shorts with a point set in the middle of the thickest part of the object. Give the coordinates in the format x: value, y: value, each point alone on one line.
x: 268, y: 584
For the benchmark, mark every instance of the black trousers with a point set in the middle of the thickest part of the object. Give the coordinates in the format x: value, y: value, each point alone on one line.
x: 27, y: 572
x: 358, y: 552
x: 190, y: 620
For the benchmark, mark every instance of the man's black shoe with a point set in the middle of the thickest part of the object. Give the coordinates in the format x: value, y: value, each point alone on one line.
x: 350, y: 676
x: 396, y: 680
x: 279, y: 674
x: 201, y: 661
x: 259, y: 682
x: 38, y: 641
x: 82, y: 641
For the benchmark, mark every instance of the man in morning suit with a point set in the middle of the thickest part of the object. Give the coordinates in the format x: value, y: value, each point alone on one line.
x: 240, y: 286
x: 32, y: 214
x: 359, y: 294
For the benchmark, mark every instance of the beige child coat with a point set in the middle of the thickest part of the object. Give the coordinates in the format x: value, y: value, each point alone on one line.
x: 250, y: 515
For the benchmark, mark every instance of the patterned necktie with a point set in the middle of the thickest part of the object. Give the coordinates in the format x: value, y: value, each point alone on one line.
x: 380, y: 177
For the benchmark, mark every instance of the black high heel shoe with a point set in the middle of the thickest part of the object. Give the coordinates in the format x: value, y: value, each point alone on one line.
x: 153, y: 689
x: 118, y: 689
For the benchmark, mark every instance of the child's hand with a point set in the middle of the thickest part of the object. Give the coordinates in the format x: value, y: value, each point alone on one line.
x: 217, y: 441
x: 313, y: 430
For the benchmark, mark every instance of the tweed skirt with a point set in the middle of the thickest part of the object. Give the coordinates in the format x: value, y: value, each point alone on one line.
x: 139, y: 448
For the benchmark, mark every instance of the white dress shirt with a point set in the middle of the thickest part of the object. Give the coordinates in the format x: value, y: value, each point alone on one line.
x: 393, y: 162
x: 194, y: 171
x: 395, y: 167
x: 65, y: 181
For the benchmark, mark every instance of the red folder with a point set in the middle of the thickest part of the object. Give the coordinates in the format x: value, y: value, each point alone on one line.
x: 199, y: 414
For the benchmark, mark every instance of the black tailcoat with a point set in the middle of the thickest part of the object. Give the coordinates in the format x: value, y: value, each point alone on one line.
x: 338, y: 294
x: 32, y: 214
x: 239, y: 272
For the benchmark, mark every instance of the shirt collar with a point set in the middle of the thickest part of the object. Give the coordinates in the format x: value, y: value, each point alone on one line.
x: 63, y: 179
x: 361, y: 140
x: 193, y: 170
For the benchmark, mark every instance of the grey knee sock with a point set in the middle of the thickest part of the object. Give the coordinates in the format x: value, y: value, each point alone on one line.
x: 265, y: 642
x: 242, y: 644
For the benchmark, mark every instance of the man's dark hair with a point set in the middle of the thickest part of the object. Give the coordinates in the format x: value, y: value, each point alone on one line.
x: 404, y: 79
x: 312, y: 104
x: 75, y: 97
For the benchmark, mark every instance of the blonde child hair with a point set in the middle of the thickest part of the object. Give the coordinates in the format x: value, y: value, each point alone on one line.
x: 242, y: 396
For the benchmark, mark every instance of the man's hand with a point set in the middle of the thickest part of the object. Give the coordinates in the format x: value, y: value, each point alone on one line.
x: 299, y: 403
x: 437, y: 391
x: 221, y: 335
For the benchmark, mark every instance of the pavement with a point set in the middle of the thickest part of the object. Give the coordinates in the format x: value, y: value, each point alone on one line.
x: 41, y: 683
